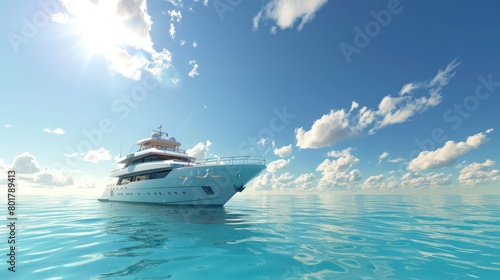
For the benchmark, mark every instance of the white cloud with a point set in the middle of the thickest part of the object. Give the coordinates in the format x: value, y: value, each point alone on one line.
x: 382, y: 156
x: 183, y: 42
x: 256, y: 20
x: 277, y: 165
x: 325, y: 131
x: 171, y: 31
x: 272, y: 30
x: 200, y: 150
x: 175, y: 16
x: 262, y: 141
x: 284, y: 151
x: 8, y: 125
x: 118, y: 30
x: 395, y: 160
x: 408, y: 88
x: 489, y: 130
x: 419, y: 180
x: 29, y: 171
x: 354, y: 105
x: 476, y: 174
x: 194, y: 72
x: 373, y: 182
x: 59, y: 131
x: 286, y: 12
x: 195, y: 44
x: 446, y: 155
x: 304, y: 181
x: 51, y: 177
x: 342, y: 124
x: 26, y: 163
x: 269, y: 181
x: 339, y: 173
x: 96, y: 156
x: 177, y: 3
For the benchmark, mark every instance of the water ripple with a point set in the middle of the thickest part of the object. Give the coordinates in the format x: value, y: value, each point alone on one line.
x: 262, y: 237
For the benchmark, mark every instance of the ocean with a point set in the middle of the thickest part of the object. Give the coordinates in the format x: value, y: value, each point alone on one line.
x: 258, y: 236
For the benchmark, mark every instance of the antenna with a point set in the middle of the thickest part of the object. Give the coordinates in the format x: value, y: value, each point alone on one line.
x: 266, y: 152
x: 159, y: 131
x: 121, y: 145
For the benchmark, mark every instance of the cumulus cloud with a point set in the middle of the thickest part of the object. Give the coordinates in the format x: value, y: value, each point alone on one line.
x: 284, y: 151
x: 325, y: 131
x: 342, y: 124
x: 417, y: 180
x: 339, y: 173
x: 59, y: 131
x: 277, y: 165
x: 200, y: 150
x: 446, y: 155
x: 373, y: 182
x: 284, y: 13
x: 28, y: 170
x: 96, y: 156
x: 120, y: 31
x: 26, y: 163
x: 478, y: 173
x: 304, y: 181
x: 270, y: 181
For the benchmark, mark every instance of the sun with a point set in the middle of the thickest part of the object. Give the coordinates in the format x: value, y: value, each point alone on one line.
x: 101, y: 31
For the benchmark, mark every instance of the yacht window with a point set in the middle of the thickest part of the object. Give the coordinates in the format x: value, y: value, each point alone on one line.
x: 151, y: 158
x: 125, y: 181
x: 161, y: 174
x: 208, y: 190
x: 142, y: 177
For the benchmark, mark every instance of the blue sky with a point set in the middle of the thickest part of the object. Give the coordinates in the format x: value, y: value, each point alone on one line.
x: 375, y: 96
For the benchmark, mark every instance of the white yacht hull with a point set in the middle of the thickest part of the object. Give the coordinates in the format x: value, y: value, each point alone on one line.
x: 202, y: 185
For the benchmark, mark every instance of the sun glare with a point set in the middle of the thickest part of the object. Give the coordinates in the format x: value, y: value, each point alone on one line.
x: 101, y: 31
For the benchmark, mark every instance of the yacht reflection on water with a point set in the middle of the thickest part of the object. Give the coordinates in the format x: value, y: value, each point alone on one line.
x: 148, y: 236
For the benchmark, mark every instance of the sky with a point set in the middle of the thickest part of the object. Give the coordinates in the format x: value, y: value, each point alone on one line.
x: 348, y: 96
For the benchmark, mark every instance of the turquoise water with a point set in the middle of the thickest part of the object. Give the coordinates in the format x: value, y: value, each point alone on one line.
x: 260, y: 237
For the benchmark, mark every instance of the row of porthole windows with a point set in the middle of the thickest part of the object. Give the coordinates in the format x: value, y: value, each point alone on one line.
x: 158, y: 193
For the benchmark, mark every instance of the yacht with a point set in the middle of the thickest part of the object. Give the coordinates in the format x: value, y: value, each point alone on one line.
x: 160, y: 172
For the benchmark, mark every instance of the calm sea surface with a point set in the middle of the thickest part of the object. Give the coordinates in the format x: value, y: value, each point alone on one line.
x: 259, y: 237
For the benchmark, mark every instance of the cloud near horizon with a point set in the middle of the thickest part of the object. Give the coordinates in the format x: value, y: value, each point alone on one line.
x: 200, y: 150
x: 28, y: 170
x: 95, y: 156
x: 446, y: 155
x: 476, y: 174
x: 343, y: 124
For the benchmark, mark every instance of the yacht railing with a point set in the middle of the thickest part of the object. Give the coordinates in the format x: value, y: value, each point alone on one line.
x: 233, y: 160
x: 177, y: 150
